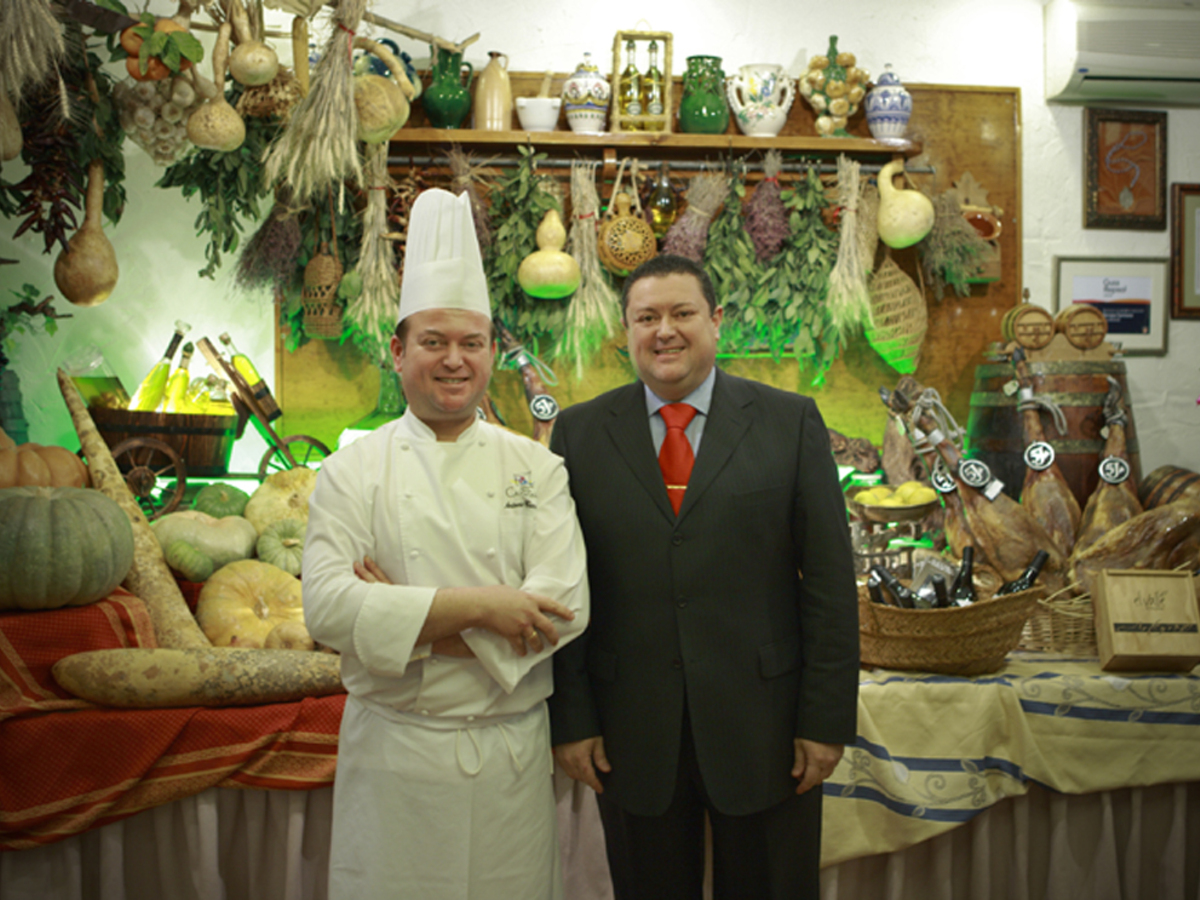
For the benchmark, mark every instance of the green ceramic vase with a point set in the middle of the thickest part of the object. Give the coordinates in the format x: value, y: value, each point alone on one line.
x: 447, y: 100
x: 703, y: 108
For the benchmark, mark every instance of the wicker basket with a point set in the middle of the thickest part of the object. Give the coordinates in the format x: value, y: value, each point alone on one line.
x: 899, y: 317
x: 969, y: 640
x: 1062, y: 625
x: 322, y: 307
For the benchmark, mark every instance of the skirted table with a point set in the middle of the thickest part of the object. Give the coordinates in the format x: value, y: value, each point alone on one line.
x: 1049, y: 778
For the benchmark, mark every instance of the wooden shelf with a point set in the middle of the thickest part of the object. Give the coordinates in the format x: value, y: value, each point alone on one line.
x: 404, y: 140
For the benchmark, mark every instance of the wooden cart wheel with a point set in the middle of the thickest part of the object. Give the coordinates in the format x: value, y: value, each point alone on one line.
x: 307, y: 451
x: 144, y: 461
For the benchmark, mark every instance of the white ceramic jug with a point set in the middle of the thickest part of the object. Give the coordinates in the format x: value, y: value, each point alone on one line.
x: 760, y: 96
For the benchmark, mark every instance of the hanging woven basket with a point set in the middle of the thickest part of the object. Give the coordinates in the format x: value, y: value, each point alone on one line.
x: 899, y: 317
x: 322, y: 307
x: 625, y: 240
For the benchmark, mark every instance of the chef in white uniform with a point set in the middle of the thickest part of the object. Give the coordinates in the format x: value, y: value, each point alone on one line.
x: 444, y: 776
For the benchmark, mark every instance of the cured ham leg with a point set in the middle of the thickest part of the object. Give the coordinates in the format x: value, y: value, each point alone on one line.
x: 1159, y: 538
x: 1045, y: 493
x: 1110, y: 504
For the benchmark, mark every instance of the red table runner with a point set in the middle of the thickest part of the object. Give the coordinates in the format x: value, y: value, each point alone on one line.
x: 69, y: 765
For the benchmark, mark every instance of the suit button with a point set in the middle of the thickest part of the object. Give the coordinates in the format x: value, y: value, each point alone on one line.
x: 681, y: 602
x: 677, y: 539
x: 677, y: 664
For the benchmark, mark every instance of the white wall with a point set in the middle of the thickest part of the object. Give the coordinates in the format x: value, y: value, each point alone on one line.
x: 933, y: 41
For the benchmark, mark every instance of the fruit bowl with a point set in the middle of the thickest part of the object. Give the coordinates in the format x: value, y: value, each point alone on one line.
x: 875, y: 512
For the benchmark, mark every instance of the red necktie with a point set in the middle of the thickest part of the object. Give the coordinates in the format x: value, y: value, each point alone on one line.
x: 676, y: 457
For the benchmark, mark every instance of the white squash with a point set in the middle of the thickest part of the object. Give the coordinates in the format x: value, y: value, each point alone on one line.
x: 905, y: 216
x: 243, y: 602
x: 284, y: 495
x: 222, y: 540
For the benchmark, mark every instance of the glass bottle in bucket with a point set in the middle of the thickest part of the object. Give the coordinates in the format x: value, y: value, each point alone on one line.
x: 153, y: 388
x: 95, y: 378
x: 177, y: 384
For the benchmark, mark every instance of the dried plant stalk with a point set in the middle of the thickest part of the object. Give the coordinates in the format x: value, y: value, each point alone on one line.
x: 270, y: 256
x: 689, y: 235
x: 317, y: 149
x: 31, y: 44
x: 592, y: 314
x: 952, y: 249
x: 467, y: 178
x: 374, y: 311
x: 849, y: 298
x: 868, y: 224
x: 766, y: 216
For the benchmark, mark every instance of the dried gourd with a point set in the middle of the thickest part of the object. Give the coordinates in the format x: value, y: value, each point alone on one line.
x: 905, y: 216
x: 283, y: 495
x: 548, y: 273
x: 216, y: 125
x: 242, y: 602
x: 222, y: 540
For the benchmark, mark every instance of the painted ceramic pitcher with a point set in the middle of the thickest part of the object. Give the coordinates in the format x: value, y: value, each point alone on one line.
x: 760, y: 97
x: 703, y: 108
x: 447, y: 100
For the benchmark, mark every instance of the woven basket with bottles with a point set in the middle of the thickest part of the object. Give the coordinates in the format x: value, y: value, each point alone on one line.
x: 1062, y: 623
x: 967, y: 640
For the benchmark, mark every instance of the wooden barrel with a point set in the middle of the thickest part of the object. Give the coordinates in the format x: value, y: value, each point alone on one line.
x: 1082, y: 324
x: 204, y: 443
x: 995, y: 434
x: 1166, y: 484
x: 1029, y: 325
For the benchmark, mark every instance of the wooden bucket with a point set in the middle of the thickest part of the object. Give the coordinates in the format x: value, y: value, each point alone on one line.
x: 995, y: 434
x: 204, y: 443
x: 1166, y: 484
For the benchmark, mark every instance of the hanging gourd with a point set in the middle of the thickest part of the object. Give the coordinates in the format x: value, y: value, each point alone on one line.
x: 549, y: 273
x: 905, y: 216
x: 86, y: 271
x: 251, y: 62
x: 381, y: 103
x: 216, y: 125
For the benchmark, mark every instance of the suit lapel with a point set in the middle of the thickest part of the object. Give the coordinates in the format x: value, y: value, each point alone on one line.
x: 728, y: 419
x: 629, y: 429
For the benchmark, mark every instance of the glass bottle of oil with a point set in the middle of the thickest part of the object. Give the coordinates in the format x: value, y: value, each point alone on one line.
x: 629, y: 89
x: 652, y: 90
x: 662, y: 202
x: 149, y: 394
x: 177, y: 385
x: 244, y: 367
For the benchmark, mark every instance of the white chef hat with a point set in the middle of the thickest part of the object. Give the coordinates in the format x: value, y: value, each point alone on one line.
x: 443, y: 268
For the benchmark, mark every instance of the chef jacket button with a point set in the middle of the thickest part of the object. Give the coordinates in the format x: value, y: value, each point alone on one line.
x: 424, y: 712
x: 414, y: 554
x: 408, y: 495
x: 470, y: 718
x: 433, y: 660
x: 404, y: 446
x: 491, y: 493
x: 483, y: 443
x: 682, y: 601
x: 677, y: 539
x: 491, y: 552
x: 677, y: 664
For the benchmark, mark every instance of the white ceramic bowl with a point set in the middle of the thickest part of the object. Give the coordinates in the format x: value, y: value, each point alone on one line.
x: 538, y: 113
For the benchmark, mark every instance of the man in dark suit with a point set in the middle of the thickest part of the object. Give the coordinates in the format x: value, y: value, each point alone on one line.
x: 719, y: 674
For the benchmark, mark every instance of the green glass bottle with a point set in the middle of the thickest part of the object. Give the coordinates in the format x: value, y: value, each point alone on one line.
x: 177, y: 384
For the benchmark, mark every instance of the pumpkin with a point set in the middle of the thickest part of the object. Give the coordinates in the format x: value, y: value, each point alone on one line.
x: 36, y: 465
x: 283, y: 495
x: 242, y: 602
x: 221, y: 540
x: 289, y: 635
x: 189, y: 562
x: 282, y: 544
x: 61, y: 546
x: 6, y: 443
x: 219, y: 500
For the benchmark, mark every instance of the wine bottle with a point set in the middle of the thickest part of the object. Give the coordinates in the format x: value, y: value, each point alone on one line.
x: 874, y: 591
x: 662, y: 203
x: 258, y: 388
x: 218, y: 399
x: 652, y: 90
x: 177, y: 384
x: 902, y: 595
x: 1025, y: 580
x: 153, y: 388
x: 941, y: 598
x: 629, y: 89
x: 962, y: 590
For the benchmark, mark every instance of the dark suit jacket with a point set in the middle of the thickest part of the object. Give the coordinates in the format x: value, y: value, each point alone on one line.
x: 707, y: 608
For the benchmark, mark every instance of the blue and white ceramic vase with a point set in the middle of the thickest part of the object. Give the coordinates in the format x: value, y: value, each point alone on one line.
x: 585, y: 98
x: 888, y: 106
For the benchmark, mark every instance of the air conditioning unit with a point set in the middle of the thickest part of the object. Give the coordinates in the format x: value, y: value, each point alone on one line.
x: 1127, y: 52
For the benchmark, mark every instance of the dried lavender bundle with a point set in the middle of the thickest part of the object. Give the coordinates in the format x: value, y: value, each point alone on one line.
x: 766, y: 216
x: 270, y: 256
x: 374, y: 311
x: 849, y: 298
x: 467, y: 177
x: 689, y: 235
x: 592, y: 315
x: 318, y: 149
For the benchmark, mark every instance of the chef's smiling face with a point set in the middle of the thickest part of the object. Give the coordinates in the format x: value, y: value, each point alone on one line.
x: 445, y: 363
x: 672, y: 333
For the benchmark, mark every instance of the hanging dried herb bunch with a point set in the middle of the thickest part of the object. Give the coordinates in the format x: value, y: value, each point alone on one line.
x: 952, y: 249
x: 849, y: 297
x: 592, y: 313
x: 689, y: 235
x: 766, y: 216
x: 318, y: 149
x: 31, y: 45
x: 468, y: 178
x: 801, y: 276
x: 269, y: 257
x: 729, y: 258
x: 372, y: 313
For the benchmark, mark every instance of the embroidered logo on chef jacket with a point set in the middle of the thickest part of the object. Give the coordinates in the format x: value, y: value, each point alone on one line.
x: 521, y: 493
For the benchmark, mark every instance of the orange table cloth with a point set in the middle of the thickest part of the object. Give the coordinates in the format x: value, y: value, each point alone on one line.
x: 69, y: 765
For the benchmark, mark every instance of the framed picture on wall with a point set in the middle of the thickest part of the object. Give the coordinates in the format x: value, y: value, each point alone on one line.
x: 1185, y: 235
x: 1131, y: 293
x: 1125, y: 159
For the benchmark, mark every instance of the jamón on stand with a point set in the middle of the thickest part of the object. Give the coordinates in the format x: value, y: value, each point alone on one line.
x: 1115, y: 499
x: 1165, y: 537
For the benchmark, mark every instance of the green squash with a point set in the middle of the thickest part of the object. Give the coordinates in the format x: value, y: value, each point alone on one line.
x: 61, y: 546
x: 223, y: 540
x: 219, y: 500
x: 282, y: 545
x: 189, y: 562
